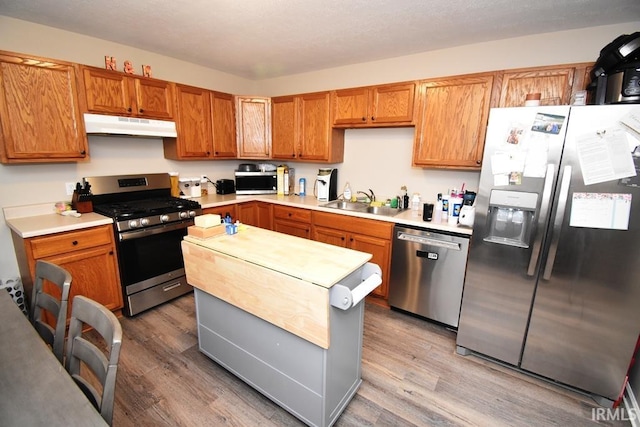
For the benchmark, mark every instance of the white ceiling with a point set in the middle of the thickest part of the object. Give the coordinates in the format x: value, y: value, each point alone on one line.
x: 259, y: 39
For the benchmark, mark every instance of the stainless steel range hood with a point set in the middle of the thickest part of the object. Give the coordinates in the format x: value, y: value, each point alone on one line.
x: 96, y: 124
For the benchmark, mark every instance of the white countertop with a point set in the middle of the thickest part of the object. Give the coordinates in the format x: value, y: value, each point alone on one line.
x: 37, y: 220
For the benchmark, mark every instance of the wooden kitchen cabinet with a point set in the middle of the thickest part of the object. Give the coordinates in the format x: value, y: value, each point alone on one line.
x: 258, y: 214
x: 302, y: 131
x: 383, y: 105
x: 193, y: 125
x: 222, y: 211
x: 359, y: 234
x: 88, y: 254
x: 40, y: 114
x: 253, y: 127
x: 223, y: 122
x: 292, y: 221
x: 205, y: 125
x: 117, y: 93
x: 556, y: 84
x: 451, y: 122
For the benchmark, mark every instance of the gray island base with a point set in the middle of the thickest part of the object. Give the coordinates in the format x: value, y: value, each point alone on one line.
x: 313, y: 375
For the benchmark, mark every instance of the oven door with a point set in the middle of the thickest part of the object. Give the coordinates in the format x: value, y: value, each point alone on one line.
x: 151, y: 265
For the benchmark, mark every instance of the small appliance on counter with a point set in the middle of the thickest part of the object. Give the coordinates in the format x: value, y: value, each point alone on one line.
x: 189, y: 187
x: 615, y: 77
x: 327, y: 184
x: 225, y: 186
x: 255, y: 181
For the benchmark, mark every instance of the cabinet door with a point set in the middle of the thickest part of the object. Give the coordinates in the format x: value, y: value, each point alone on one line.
x: 253, y: 127
x: 392, y: 104
x: 292, y: 228
x: 222, y: 211
x: 224, y: 126
x: 284, y: 127
x: 315, y: 131
x: 553, y: 84
x: 350, y: 106
x: 330, y: 236
x: 265, y: 215
x: 381, y: 250
x: 108, y: 92
x: 154, y: 98
x: 193, y: 124
x: 452, y: 122
x: 39, y: 112
x: 247, y: 213
x: 95, y: 275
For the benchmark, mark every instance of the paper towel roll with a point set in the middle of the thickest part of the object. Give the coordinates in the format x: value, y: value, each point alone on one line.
x: 364, y: 288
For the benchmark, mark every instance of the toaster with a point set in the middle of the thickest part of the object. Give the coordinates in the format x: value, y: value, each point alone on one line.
x: 225, y: 186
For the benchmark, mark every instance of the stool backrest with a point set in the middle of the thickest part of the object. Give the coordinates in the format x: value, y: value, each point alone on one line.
x: 42, y: 302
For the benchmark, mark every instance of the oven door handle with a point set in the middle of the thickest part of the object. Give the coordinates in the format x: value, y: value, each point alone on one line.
x: 137, y: 234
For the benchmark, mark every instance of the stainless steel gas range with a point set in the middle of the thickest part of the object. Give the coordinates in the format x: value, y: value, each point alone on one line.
x: 149, y: 225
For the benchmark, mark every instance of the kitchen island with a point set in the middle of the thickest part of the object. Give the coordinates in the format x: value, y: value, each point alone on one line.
x: 284, y: 314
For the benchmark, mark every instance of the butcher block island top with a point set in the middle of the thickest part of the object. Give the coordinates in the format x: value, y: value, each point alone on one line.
x: 284, y: 314
x: 315, y: 262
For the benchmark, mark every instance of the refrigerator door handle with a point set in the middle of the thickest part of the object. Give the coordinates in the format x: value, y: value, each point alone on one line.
x: 557, y: 222
x: 542, y: 218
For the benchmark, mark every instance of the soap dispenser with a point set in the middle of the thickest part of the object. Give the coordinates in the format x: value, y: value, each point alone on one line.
x: 346, y: 193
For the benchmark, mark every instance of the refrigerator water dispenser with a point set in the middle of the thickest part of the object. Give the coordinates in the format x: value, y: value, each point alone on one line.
x: 510, y: 218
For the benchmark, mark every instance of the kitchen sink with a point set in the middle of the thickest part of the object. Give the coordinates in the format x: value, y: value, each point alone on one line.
x: 362, y: 207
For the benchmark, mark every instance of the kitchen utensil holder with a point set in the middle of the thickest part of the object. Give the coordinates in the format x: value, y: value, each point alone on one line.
x: 81, y: 203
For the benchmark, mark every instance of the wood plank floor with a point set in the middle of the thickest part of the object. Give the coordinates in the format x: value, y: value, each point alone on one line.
x: 411, y: 377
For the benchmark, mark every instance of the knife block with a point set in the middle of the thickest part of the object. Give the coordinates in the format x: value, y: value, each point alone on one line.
x: 81, y: 203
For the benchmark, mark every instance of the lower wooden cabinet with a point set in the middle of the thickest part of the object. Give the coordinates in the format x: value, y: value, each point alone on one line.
x: 222, y: 211
x: 360, y: 234
x: 292, y: 221
x: 88, y: 254
x: 258, y: 214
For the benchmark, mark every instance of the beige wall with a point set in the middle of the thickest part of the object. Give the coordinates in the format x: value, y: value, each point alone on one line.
x: 379, y: 159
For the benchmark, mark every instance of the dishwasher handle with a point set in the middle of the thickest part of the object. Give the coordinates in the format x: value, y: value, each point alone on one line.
x: 428, y: 241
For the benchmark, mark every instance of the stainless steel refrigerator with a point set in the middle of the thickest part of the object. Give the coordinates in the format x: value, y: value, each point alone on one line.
x: 553, y: 277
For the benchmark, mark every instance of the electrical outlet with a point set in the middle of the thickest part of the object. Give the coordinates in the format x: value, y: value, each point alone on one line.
x: 70, y: 186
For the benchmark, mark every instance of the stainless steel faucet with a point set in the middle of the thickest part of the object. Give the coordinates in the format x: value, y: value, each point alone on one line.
x: 371, y: 196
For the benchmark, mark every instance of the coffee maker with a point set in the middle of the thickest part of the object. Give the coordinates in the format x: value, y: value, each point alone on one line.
x: 327, y: 184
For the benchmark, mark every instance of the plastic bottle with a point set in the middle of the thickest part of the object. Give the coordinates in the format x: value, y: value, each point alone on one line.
x: 346, y: 193
x: 405, y: 200
x: 415, y: 204
x: 302, y: 187
x: 445, y: 206
x: 437, y: 210
x: 455, y: 203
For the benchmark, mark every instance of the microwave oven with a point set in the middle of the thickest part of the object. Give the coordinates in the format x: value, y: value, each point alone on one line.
x: 256, y: 182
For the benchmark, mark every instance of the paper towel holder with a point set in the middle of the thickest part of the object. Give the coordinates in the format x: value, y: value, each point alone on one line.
x: 340, y: 296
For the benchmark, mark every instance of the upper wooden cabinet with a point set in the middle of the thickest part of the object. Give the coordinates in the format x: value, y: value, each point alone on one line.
x: 253, y: 127
x: 205, y: 125
x: 223, y: 122
x: 41, y: 120
x: 302, y: 131
x: 451, y: 122
x: 113, y: 92
x: 555, y: 84
x: 384, y: 105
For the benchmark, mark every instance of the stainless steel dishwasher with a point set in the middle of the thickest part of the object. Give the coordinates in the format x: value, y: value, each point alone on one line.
x: 427, y: 273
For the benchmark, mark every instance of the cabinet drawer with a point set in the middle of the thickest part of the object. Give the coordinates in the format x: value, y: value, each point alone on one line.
x: 293, y: 214
x: 367, y: 227
x: 72, y: 241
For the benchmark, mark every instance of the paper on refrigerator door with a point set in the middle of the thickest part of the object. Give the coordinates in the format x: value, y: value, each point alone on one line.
x: 600, y: 210
x: 604, y: 156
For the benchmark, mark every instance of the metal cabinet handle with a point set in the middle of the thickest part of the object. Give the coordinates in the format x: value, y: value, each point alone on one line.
x: 74, y: 243
x: 557, y: 222
x: 542, y: 218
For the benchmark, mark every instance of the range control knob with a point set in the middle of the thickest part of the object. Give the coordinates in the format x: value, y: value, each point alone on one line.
x: 192, y: 214
x: 144, y: 222
x: 184, y: 215
x: 164, y: 218
x: 134, y: 223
